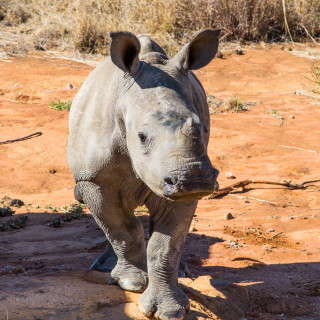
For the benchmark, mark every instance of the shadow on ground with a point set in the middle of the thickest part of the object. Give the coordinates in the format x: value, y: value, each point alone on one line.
x: 44, y: 275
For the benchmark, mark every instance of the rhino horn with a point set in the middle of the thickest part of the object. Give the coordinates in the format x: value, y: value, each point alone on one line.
x: 189, y: 128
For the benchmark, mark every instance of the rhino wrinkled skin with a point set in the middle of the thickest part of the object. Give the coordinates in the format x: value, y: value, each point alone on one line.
x: 139, y: 129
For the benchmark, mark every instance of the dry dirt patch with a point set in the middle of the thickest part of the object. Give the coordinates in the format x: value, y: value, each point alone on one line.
x: 46, y: 268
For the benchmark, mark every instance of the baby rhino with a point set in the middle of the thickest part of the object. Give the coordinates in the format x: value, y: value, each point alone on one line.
x: 139, y: 129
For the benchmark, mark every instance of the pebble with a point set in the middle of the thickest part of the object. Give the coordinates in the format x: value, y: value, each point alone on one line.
x: 16, y: 203
x: 292, y: 116
x: 219, y: 55
x: 271, y: 230
x: 230, y: 175
x: 239, y: 52
x: 70, y: 86
x: 6, y: 211
x: 228, y: 216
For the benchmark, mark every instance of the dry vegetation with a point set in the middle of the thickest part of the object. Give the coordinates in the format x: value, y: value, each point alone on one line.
x: 84, y: 25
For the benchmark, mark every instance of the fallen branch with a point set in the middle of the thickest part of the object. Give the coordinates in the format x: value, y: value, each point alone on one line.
x: 277, y: 234
x: 30, y: 136
x: 244, y: 183
x: 308, y: 34
x: 298, y: 148
x: 252, y: 198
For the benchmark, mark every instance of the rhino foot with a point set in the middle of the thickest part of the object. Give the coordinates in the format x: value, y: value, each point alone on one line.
x: 169, y: 304
x: 129, y: 279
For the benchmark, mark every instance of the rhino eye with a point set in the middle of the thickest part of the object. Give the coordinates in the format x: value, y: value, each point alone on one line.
x: 142, y: 137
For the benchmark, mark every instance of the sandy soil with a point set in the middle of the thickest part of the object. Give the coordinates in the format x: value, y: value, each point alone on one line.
x: 263, y: 264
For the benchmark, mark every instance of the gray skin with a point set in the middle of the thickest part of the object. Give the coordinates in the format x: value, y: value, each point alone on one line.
x: 139, y: 129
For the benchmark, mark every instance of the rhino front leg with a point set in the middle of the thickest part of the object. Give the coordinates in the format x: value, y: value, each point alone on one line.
x: 164, y: 297
x: 124, y: 232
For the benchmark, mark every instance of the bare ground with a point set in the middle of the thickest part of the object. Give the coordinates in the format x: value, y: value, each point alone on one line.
x: 263, y: 264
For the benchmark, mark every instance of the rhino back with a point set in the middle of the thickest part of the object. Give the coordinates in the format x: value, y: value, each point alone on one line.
x: 93, y: 130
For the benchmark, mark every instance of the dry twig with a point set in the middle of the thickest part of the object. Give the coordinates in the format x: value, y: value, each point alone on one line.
x: 252, y: 198
x: 299, y: 148
x: 33, y: 135
x: 244, y: 183
x: 277, y: 234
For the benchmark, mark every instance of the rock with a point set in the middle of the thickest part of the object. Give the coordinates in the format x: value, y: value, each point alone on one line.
x: 219, y: 55
x: 6, y: 211
x: 228, y: 216
x: 12, y: 224
x: 55, y: 223
x: 271, y: 230
x: 70, y: 86
x: 16, y: 203
x: 230, y: 175
x: 239, y: 52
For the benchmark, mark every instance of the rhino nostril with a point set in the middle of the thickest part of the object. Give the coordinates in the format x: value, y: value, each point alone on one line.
x: 168, y: 180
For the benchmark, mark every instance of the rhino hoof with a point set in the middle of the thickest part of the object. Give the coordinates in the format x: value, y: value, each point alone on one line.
x: 164, y: 306
x: 171, y: 315
x: 134, y: 284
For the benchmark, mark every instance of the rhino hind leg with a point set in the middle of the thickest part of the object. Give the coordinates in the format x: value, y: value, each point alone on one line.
x: 125, y: 234
x: 106, y: 261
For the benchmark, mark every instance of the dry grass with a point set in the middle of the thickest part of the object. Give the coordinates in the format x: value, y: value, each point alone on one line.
x: 236, y: 105
x: 84, y: 25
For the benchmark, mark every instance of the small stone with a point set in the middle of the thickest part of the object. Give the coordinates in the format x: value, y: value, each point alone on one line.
x: 228, y: 216
x: 55, y: 223
x: 282, y: 48
x: 70, y: 86
x: 219, y: 55
x: 230, y: 175
x: 271, y: 230
x: 6, y: 211
x: 289, y: 49
x: 203, y: 236
x: 292, y: 116
x: 16, y: 203
x: 247, y: 201
x: 239, y: 52
x: 193, y: 229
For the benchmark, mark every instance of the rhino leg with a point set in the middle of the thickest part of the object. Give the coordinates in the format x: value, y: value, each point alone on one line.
x: 108, y: 259
x: 125, y: 233
x: 164, y: 297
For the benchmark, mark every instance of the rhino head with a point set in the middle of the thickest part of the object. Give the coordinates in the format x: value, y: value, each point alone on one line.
x: 163, y: 114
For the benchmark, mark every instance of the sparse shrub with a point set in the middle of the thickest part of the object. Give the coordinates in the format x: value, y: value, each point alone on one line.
x: 16, y: 15
x: 316, y: 78
x: 84, y: 25
x: 60, y: 105
x: 236, y: 105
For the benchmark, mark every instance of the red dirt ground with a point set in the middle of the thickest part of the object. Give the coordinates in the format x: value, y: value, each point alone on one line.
x: 240, y: 270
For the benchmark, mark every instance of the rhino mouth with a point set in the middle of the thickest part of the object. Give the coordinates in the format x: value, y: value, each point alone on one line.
x: 193, y: 190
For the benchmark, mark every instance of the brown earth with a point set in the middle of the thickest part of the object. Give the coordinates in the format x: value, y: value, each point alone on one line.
x: 262, y: 264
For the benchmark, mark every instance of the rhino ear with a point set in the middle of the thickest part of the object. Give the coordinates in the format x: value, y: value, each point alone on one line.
x: 124, y: 51
x: 199, y: 51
